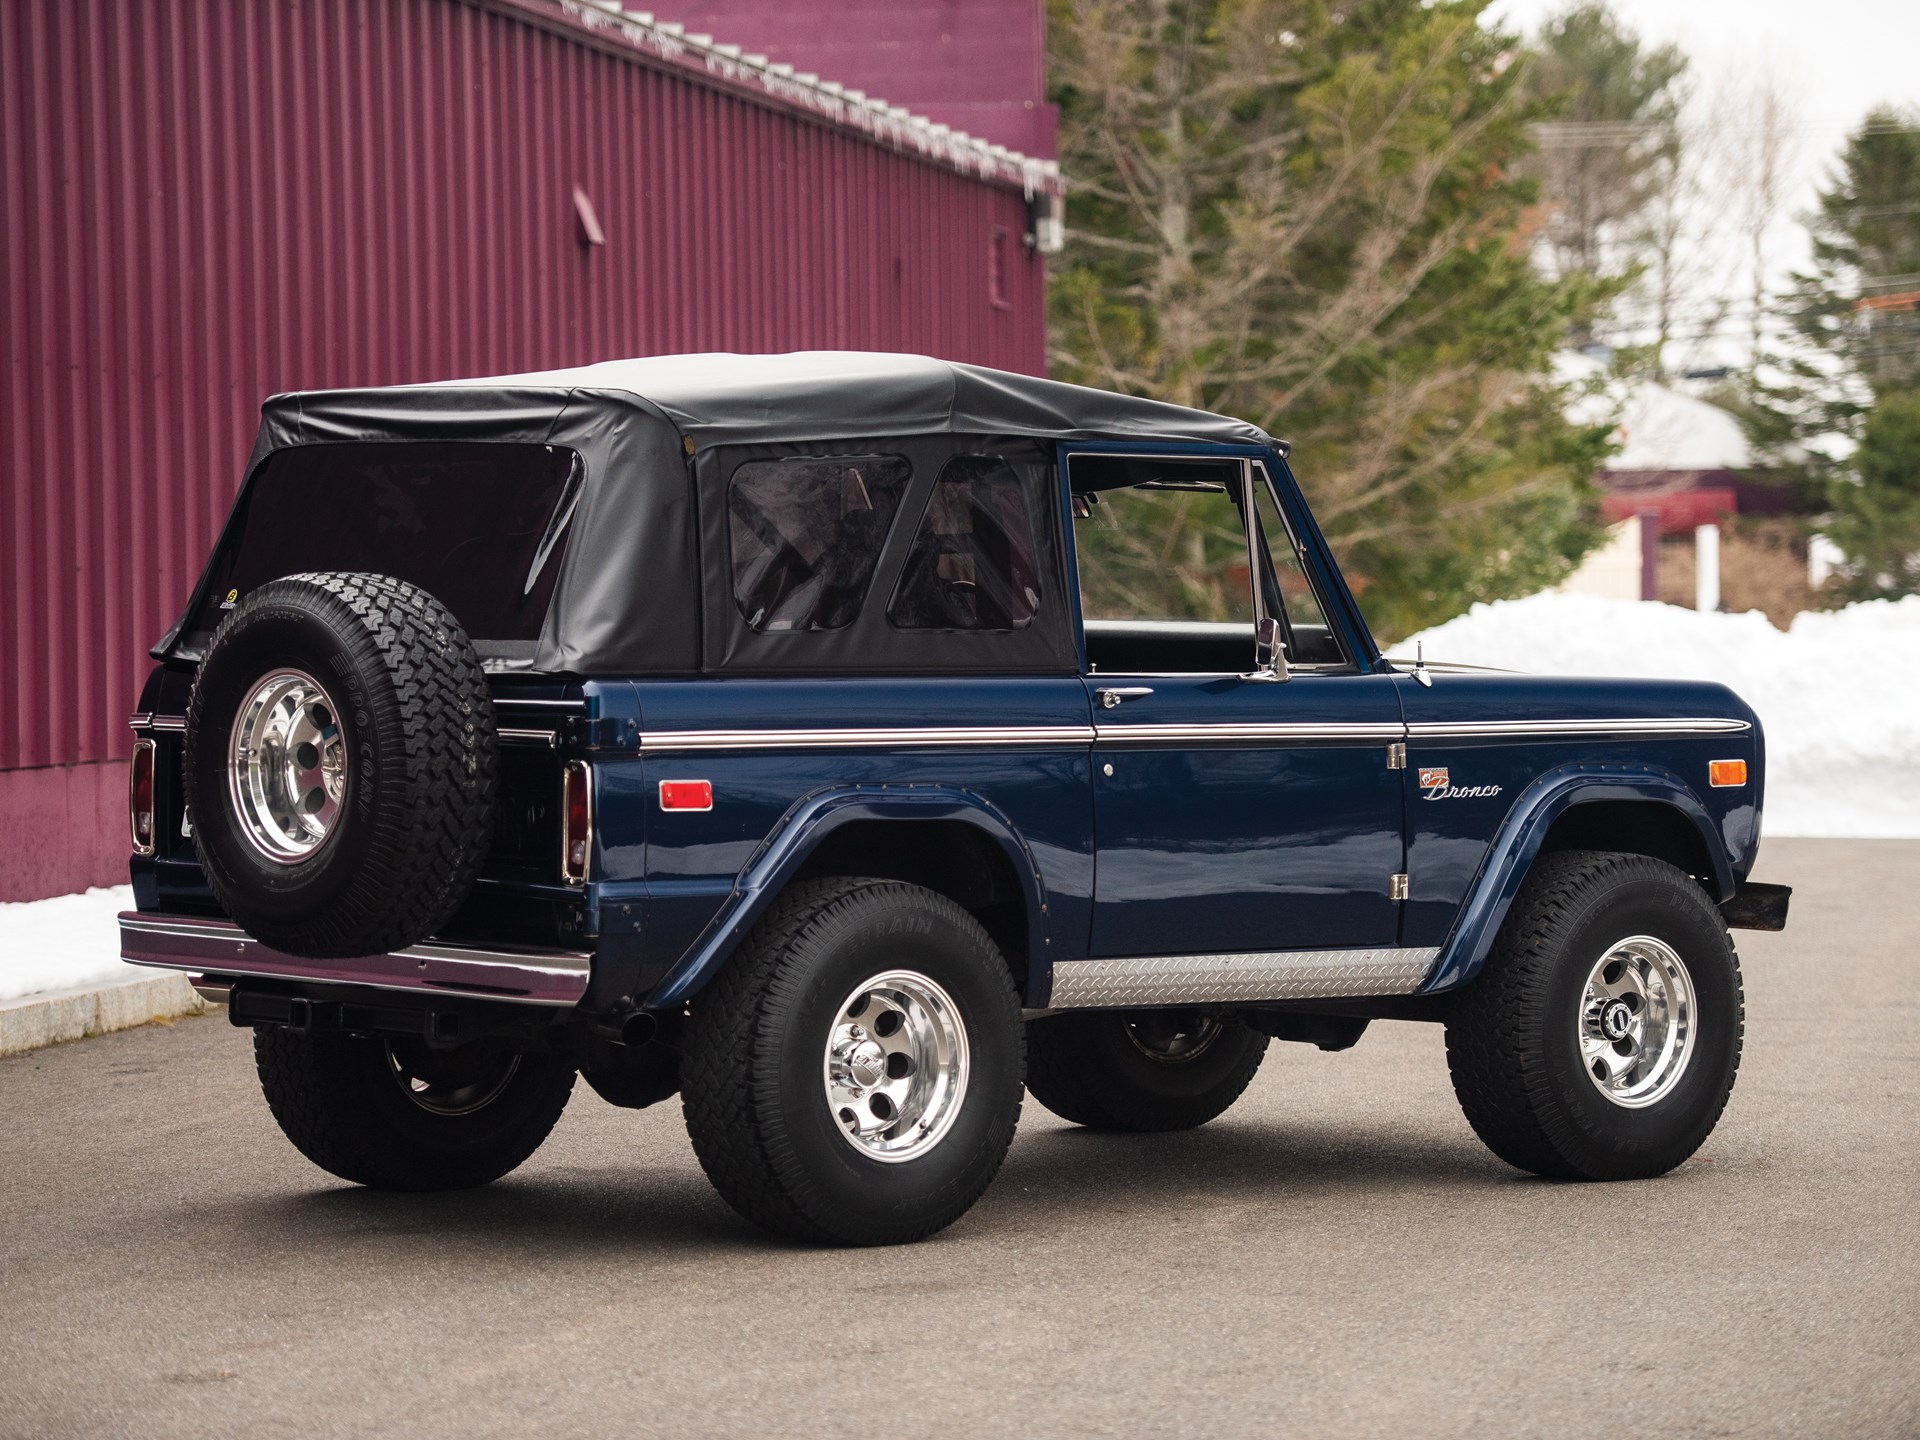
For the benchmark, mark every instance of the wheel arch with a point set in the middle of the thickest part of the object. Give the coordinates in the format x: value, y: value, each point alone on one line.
x: 1639, y: 810
x: 949, y: 840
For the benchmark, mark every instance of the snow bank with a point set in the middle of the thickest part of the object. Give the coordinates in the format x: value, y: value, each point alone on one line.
x: 64, y: 943
x: 1838, y: 694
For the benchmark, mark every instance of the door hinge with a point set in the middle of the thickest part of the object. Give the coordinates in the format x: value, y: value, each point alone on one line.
x: 1397, y: 888
x: 1397, y: 755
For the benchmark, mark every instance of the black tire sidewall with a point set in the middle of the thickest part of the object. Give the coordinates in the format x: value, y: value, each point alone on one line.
x: 892, y: 928
x: 1113, y: 1084
x: 346, y: 1110
x: 264, y: 639
x: 1608, y: 1139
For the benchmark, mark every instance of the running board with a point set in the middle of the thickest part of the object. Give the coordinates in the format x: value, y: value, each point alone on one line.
x: 219, y: 948
x: 1140, y: 982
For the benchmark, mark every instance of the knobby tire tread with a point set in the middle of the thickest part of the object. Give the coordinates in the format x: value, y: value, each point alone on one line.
x: 1498, y: 1075
x: 731, y: 1107
x: 424, y: 853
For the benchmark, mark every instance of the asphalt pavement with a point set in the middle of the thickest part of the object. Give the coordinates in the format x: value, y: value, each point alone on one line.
x: 1335, y: 1256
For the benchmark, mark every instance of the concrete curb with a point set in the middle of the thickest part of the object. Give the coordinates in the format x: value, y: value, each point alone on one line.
x: 46, y: 1019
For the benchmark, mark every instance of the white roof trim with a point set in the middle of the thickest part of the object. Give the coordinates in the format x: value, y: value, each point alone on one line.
x: 890, y: 124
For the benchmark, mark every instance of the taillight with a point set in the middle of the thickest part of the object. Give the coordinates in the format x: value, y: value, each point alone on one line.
x: 576, y: 831
x: 140, y: 797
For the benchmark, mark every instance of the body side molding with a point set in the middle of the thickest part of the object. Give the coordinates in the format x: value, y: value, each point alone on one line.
x: 1521, y: 834
x: 800, y: 832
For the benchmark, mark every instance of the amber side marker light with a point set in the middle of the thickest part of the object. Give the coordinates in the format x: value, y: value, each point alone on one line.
x: 576, y: 813
x: 140, y: 797
x: 1723, y: 773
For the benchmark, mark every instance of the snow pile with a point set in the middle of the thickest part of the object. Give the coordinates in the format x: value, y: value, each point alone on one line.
x: 64, y: 943
x: 1838, y: 694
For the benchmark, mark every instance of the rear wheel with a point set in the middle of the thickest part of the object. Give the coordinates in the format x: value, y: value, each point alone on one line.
x: 397, y: 1114
x: 1140, y: 1070
x: 853, y: 1075
x: 1602, y: 1038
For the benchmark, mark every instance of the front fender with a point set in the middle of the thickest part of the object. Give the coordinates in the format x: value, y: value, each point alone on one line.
x: 1518, y: 841
x: 801, y: 830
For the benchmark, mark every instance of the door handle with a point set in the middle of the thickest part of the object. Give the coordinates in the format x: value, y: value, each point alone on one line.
x: 1112, y: 697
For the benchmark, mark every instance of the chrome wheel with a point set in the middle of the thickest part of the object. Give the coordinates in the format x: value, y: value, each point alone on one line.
x: 1637, y: 1021
x: 287, y: 766
x: 896, y: 1066
x: 451, y: 1082
x: 1172, y: 1037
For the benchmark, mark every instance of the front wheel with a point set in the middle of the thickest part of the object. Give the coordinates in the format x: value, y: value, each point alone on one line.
x: 1602, y: 1038
x: 853, y: 1075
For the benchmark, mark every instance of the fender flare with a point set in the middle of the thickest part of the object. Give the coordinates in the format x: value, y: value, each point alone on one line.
x: 1517, y: 844
x: 800, y: 832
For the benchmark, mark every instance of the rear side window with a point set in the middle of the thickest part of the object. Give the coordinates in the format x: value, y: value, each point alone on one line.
x: 482, y: 526
x: 806, y: 534
x: 971, y: 566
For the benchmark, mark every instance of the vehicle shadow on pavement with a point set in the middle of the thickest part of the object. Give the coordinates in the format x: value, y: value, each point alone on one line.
x: 1235, y: 1158
x: 1054, y: 1178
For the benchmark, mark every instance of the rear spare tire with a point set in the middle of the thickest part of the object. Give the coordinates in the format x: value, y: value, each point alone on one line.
x: 341, y: 764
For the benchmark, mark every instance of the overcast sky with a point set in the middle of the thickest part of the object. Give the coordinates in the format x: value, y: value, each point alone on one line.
x: 1839, y: 58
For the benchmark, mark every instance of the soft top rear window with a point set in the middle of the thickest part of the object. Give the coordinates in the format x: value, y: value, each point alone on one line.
x: 482, y: 526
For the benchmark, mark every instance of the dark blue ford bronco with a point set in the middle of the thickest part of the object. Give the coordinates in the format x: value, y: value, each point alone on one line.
x: 842, y: 742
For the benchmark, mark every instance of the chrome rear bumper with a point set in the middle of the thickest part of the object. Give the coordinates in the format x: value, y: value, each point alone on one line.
x: 219, y: 948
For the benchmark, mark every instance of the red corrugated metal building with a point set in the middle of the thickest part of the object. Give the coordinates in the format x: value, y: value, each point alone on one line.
x: 204, y: 203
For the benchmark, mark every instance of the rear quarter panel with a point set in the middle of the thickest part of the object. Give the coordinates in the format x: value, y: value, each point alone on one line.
x: 668, y: 874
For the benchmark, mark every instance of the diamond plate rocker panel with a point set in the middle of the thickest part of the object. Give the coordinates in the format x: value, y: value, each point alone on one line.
x: 1229, y: 979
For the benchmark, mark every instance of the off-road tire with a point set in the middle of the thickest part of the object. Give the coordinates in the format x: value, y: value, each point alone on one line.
x: 338, y: 1100
x: 1089, y: 1070
x: 416, y: 816
x: 751, y: 1071
x: 1512, y: 1037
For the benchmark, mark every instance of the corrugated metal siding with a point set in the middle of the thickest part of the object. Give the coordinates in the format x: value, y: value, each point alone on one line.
x: 207, y: 203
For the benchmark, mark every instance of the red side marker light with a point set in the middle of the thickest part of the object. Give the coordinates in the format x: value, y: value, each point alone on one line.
x: 686, y: 794
x: 140, y: 797
x: 1723, y: 773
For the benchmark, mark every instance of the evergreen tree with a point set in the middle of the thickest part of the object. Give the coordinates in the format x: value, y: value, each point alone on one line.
x: 1876, y: 512
x: 1856, y: 311
x: 1839, y: 410
x: 1310, y: 218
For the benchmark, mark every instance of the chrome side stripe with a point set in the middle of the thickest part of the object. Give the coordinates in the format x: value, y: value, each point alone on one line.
x: 1215, y: 734
x: 1523, y: 729
x: 1017, y: 736
x: 1032, y: 736
x: 1239, y: 978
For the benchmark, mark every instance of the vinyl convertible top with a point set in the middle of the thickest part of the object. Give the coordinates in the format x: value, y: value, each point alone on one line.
x: 656, y: 438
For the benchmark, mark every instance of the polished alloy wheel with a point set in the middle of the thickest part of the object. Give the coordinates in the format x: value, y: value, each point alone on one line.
x: 896, y: 1066
x: 287, y: 766
x: 1173, y: 1037
x: 451, y: 1082
x: 1637, y: 1021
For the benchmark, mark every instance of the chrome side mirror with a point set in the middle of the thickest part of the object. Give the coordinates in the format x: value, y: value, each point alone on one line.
x: 1269, y: 652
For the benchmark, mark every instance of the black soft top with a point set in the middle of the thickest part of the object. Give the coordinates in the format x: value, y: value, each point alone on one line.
x: 625, y: 600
